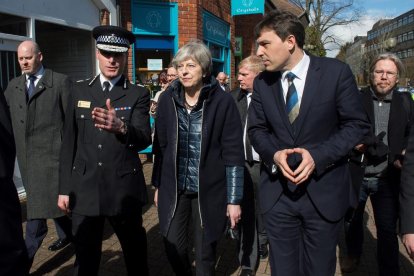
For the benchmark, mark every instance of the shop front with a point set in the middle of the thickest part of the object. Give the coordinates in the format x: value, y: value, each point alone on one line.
x: 216, y: 33
x: 155, y: 26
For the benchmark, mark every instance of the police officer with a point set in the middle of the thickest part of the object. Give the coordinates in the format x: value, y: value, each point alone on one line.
x: 101, y: 174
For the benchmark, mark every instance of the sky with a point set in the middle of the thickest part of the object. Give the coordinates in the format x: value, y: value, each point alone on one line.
x: 373, y: 10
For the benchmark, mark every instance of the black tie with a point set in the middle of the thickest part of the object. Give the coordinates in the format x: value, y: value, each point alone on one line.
x: 106, y: 86
x: 32, y: 87
x: 248, y: 146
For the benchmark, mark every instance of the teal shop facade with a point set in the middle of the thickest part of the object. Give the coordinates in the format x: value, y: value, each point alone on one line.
x: 161, y: 27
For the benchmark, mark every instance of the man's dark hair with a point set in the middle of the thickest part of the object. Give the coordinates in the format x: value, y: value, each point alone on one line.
x: 283, y: 24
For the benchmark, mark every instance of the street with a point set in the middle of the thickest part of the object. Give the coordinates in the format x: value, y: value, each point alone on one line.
x: 61, y: 262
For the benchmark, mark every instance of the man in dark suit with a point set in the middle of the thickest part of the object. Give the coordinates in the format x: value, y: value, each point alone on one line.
x: 390, y: 114
x: 253, y: 240
x: 303, y: 143
x: 101, y: 173
x: 407, y: 197
x: 13, y: 256
x: 37, y: 101
x: 222, y: 79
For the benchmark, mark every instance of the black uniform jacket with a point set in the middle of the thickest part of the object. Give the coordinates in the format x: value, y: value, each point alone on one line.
x: 101, y: 171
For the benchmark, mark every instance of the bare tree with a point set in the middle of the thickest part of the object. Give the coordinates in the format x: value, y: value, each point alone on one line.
x: 323, y: 16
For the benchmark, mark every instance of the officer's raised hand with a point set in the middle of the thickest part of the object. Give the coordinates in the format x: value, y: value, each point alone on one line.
x: 106, y: 119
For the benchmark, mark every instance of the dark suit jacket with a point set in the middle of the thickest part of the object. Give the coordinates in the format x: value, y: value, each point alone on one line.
x: 101, y: 171
x: 13, y: 256
x: 407, y: 189
x: 331, y: 122
x: 240, y: 97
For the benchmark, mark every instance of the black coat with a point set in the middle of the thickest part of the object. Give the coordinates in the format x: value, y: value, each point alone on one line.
x: 221, y: 146
x: 101, y: 171
x: 13, y: 256
x: 407, y: 189
x: 399, y: 125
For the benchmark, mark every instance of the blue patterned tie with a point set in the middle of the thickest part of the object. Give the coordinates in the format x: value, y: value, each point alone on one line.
x: 292, y: 100
x: 31, y: 88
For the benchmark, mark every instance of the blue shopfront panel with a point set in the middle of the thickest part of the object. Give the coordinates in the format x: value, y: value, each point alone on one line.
x: 149, y: 18
x: 216, y: 30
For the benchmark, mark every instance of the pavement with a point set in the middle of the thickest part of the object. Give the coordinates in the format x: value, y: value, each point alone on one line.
x: 112, y: 263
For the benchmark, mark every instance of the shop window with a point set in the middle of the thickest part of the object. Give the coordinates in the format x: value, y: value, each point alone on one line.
x: 216, y: 51
x: 149, y: 63
x: 10, y: 67
x: 14, y: 25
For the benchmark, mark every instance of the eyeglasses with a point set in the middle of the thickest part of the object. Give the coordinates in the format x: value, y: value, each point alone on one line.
x: 171, y: 76
x: 387, y: 73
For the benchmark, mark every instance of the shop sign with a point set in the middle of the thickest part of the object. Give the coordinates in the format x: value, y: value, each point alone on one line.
x: 215, y: 29
x: 238, y: 46
x: 241, y: 7
x: 154, y: 64
x: 152, y: 19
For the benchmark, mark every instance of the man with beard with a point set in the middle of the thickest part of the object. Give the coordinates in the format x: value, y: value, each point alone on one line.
x: 381, y: 154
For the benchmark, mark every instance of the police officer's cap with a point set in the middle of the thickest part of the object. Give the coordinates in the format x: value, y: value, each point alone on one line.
x: 113, y: 38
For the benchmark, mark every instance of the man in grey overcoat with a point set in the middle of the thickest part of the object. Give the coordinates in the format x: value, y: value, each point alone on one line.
x: 37, y: 100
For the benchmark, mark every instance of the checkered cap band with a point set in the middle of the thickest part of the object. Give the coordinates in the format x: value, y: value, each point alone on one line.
x: 112, y: 43
x: 112, y: 48
x: 112, y: 39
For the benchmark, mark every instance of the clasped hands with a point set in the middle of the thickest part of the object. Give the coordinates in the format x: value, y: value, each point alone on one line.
x: 302, y: 172
x: 106, y: 119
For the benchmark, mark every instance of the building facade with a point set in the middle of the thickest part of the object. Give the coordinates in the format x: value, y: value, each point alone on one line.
x: 355, y: 58
x: 394, y: 35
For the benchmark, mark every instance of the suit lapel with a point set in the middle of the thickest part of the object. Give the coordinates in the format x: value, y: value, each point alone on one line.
x: 242, y: 106
x: 45, y: 81
x: 277, y: 91
x: 369, y: 105
x: 309, y: 93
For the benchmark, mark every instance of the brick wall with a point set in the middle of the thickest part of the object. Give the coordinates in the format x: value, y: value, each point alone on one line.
x: 190, y: 22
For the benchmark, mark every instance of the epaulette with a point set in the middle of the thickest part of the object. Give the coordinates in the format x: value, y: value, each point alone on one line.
x: 93, y: 80
x: 83, y: 80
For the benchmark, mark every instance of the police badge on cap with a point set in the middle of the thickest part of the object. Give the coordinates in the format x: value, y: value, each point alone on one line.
x: 113, y: 38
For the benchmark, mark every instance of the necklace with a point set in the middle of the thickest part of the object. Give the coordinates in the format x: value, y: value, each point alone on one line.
x: 188, y: 106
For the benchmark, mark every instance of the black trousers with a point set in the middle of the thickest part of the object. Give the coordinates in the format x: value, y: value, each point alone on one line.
x: 13, y: 255
x: 88, y: 233
x: 249, y: 224
x: 177, y: 242
x: 36, y: 230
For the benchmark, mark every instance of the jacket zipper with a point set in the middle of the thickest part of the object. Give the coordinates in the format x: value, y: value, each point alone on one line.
x: 198, y: 179
x: 175, y: 158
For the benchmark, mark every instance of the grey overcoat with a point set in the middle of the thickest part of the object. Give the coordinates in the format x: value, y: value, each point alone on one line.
x: 37, y: 126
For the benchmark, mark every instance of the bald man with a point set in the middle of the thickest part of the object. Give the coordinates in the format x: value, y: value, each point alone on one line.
x: 222, y: 79
x: 37, y: 101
